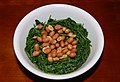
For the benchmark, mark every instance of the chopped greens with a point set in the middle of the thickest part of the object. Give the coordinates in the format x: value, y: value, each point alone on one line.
x: 68, y: 64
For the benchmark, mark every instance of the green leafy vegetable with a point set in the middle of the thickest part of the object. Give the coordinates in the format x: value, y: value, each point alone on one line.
x: 68, y: 64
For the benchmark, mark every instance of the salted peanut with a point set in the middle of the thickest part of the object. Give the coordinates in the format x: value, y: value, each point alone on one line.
x: 70, y: 40
x: 53, y: 42
x: 59, y: 38
x: 70, y: 34
x: 63, y: 37
x: 64, y: 28
x: 72, y: 54
x: 36, y: 53
x: 62, y: 44
x: 66, y: 43
x: 70, y: 46
x: 73, y: 50
x: 39, y: 39
x: 44, y: 32
x: 56, y: 59
x: 43, y: 49
x: 74, y: 42
x: 47, y: 29
x: 54, y: 51
x: 46, y: 39
x: 59, y: 54
x: 44, y: 36
x: 47, y: 50
x: 50, y: 38
x: 60, y: 31
x: 52, y: 47
x: 73, y: 36
x: 36, y: 47
x: 74, y: 46
x: 64, y: 56
x: 50, y: 54
x: 50, y: 27
x: 59, y: 49
x: 50, y: 59
x: 35, y: 37
x: 51, y: 33
x: 64, y: 51
x: 57, y: 45
x: 39, y: 27
x: 53, y: 54
x: 67, y: 30
x: 55, y: 36
x: 65, y: 47
x: 68, y: 52
x: 58, y: 27
x: 45, y: 44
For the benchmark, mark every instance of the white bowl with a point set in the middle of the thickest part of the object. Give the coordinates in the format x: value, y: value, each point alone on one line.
x: 59, y: 11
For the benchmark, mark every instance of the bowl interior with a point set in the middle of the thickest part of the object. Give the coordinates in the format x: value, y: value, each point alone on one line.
x: 59, y: 11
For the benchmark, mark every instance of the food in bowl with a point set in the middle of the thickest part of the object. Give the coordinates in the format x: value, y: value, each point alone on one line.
x: 58, y: 46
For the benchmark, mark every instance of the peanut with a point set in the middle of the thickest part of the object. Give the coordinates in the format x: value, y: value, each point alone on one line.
x: 57, y: 45
x: 67, y: 30
x: 60, y: 31
x: 39, y: 27
x: 70, y: 40
x: 74, y: 42
x: 39, y: 39
x: 64, y: 28
x: 63, y: 37
x: 68, y: 53
x: 36, y: 53
x: 36, y: 47
x: 62, y: 43
x: 50, y: 54
x: 58, y: 27
x: 69, y: 46
x: 59, y: 38
x: 72, y: 54
x: 50, y: 59
x: 64, y: 56
x: 53, y: 42
x: 50, y: 28
x: 66, y: 43
x: 47, y: 29
x: 52, y: 46
x: 50, y: 39
x: 55, y: 59
x: 74, y: 46
x: 64, y: 51
x: 59, y: 49
x: 51, y: 33
x: 73, y: 50
x: 45, y: 44
x: 59, y: 54
x: 47, y: 50
x: 35, y: 37
x: 44, y: 32
x: 70, y: 34
x: 53, y: 54
x: 73, y: 36
x: 55, y: 36
x: 46, y: 39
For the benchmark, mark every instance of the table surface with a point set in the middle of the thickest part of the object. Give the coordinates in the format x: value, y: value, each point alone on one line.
x: 107, y: 13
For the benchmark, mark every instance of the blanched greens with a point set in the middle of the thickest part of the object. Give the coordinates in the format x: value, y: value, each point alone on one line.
x: 68, y: 64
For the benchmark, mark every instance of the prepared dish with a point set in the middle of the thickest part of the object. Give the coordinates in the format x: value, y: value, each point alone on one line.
x: 58, y: 46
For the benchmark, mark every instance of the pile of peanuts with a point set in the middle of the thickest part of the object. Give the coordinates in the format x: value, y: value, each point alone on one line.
x: 54, y: 45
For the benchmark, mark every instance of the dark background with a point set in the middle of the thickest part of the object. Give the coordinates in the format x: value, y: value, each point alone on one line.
x: 107, y: 13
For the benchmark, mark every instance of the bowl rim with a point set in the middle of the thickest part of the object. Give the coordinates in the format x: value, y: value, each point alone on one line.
x: 65, y: 76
